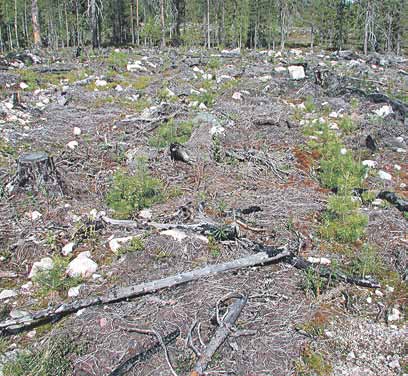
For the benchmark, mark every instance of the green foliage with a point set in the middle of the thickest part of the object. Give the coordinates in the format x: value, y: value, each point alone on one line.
x: 313, y: 283
x: 171, y: 132
x: 118, y: 59
x: 309, y: 104
x: 346, y: 124
x: 367, y: 262
x: 54, y: 359
x: 130, y: 193
x: 55, y: 279
x: 368, y: 197
x: 213, y: 247
x: 141, y: 82
x: 214, y: 63
x: 135, y: 245
x: 312, y: 364
x: 342, y: 221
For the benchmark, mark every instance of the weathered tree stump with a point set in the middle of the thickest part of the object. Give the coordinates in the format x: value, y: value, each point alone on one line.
x: 36, y: 172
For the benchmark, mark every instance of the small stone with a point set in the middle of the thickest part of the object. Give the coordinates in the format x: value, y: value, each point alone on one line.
x: 6, y: 294
x: 207, y: 76
x: 103, y: 322
x: 27, y: 286
x: 397, y: 167
x: 44, y: 264
x: 77, y: 131
x: 343, y: 151
x: 175, y: 234
x: 146, y: 214
x: 401, y: 150
x: 369, y: 163
x: 333, y: 115
x: 72, y: 145
x: 34, y: 215
x: 351, y: 355
x: 379, y: 293
x: 237, y: 96
x: 384, y: 111
x: 23, y: 85
x: 395, y: 364
x: 119, y: 88
x: 100, y: 83
x: 202, y: 106
x: 389, y: 289
x: 82, y: 266
x: 296, y: 72
x: 74, y: 291
x: 118, y: 243
x: 67, y: 248
x: 18, y: 314
x: 377, y: 202
x: 394, y: 315
x: 32, y: 333
x: 265, y: 78
x: 369, y: 300
x: 384, y: 175
x: 280, y: 69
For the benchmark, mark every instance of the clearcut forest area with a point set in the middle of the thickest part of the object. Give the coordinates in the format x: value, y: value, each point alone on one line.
x: 177, y: 199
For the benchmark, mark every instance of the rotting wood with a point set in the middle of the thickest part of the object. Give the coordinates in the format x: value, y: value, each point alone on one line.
x: 221, y: 334
x: 133, y: 291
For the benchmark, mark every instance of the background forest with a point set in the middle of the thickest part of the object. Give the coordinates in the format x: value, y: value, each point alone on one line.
x: 368, y: 25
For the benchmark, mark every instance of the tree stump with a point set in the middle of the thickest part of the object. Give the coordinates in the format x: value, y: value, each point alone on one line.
x: 36, y: 172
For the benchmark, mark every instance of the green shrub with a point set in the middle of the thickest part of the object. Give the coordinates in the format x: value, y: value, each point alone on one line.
x: 118, y: 58
x: 346, y: 125
x: 313, y: 363
x: 55, y: 279
x: 214, y: 63
x: 52, y: 360
x: 342, y: 220
x: 313, y: 282
x: 141, y: 82
x: 171, y: 132
x: 130, y: 193
x: 309, y: 104
x: 135, y: 245
x: 367, y: 262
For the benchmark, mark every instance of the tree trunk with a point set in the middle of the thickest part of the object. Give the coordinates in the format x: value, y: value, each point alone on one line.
x: 132, y: 20
x: 36, y: 23
x: 94, y: 24
x: 163, y: 30
x: 366, y: 27
x: 208, y: 25
x: 15, y: 23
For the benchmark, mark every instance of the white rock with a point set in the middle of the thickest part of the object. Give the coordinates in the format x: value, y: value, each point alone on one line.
x: 93, y: 214
x: 397, y: 167
x: 319, y: 260
x: 118, y: 88
x: 296, y: 72
x: 384, y: 175
x: 77, y: 131
x: 117, y: 243
x: 27, y: 286
x: 82, y: 266
x: 72, y: 145
x: 136, y: 66
x: 369, y: 163
x: 44, y: 264
x: 202, y: 106
x: 198, y: 70
x: 301, y: 106
x: 23, y: 85
x: 377, y: 202
x: 394, y: 315
x: 34, y: 215
x: 343, y: 151
x: 74, y: 291
x: 169, y: 92
x: 265, y: 78
x: 333, y: 115
x: 100, y: 83
x: 175, y: 234
x: 67, y: 248
x: 207, y: 76
x: 18, y: 313
x: 280, y: 69
x: 395, y: 364
x: 334, y: 126
x: 384, y: 111
x: 237, y: 96
x: 369, y: 300
x: 379, y: 293
x: 401, y: 150
x: 6, y: 294
x: 146, y: 214
x: 31, y: 333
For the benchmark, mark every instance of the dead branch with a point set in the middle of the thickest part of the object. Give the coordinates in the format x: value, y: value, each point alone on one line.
x: 128, y: 364
x: 221, y: 334
x: 133, y: 291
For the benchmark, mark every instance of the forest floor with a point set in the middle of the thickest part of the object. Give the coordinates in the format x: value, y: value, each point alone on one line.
x: 294, y: 153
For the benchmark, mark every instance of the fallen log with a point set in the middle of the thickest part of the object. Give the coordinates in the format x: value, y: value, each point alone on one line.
x: 391, y: 197
x: 133, y: 291
x: 220, y: 336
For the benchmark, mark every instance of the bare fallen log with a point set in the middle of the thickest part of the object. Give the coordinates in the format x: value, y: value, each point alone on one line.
x: 133, y: 291
x: 391, y: 197
x: 221, y: 334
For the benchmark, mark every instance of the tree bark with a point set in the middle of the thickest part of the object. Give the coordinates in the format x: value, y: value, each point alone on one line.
x: 163, y: 29
x: 36, y: 23
x: 208, y: 25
